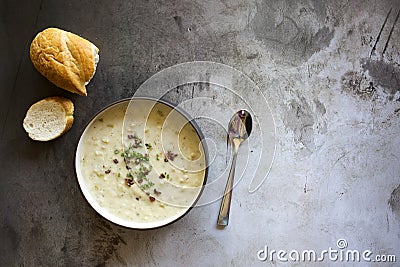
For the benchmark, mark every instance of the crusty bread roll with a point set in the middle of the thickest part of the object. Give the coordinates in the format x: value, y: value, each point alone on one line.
x: 66, y: 59
x: 49, y: 118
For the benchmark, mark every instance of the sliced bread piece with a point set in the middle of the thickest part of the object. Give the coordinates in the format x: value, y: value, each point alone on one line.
x: 65, y: 59
x: 49, y: 118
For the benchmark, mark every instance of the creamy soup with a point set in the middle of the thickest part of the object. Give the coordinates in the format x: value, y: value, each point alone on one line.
x: 148, y: 168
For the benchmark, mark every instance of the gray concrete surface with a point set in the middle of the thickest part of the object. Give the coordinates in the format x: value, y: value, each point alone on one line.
x: 330, y: 71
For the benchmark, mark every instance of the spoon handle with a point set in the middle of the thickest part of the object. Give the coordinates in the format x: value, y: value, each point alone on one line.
x: 223, y: 216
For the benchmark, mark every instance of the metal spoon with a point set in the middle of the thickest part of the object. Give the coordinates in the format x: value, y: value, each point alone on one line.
x: 239, y: 130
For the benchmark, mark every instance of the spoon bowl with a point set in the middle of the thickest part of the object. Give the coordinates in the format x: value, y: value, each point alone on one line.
x: 240, y: 125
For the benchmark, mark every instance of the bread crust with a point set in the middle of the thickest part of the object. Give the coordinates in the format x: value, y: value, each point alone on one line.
x: 64, y: 58
x: 69, y: 110
x: 68, y: 107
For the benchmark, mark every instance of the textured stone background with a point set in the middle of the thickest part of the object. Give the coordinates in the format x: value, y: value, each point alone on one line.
x: 330, y: 71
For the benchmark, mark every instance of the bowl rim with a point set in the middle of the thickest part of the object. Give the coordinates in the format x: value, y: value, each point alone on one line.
x: 140, y: 225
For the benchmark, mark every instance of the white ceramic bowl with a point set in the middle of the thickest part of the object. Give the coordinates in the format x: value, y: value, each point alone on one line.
x: 93, y: 200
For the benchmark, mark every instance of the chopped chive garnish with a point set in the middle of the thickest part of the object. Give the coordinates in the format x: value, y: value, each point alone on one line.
x: 146, y: 186
x: 142, y: 169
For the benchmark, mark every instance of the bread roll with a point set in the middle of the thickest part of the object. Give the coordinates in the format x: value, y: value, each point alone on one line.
x: 66, y: 59
x: 49, y: 118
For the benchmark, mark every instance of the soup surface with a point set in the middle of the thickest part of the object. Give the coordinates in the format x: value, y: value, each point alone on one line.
x: 147, y: 168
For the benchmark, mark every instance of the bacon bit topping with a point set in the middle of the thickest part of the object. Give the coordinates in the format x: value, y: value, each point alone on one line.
x: 157, y: 192
x: 107, y: 171
x: 162, y: 176
x: 137, y: 144
x: 138, y: 141
x: 171, y: 156
x: 152, y: 199
x: 140, y: 181
x: 115, y: 161
x: 128, y: 182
